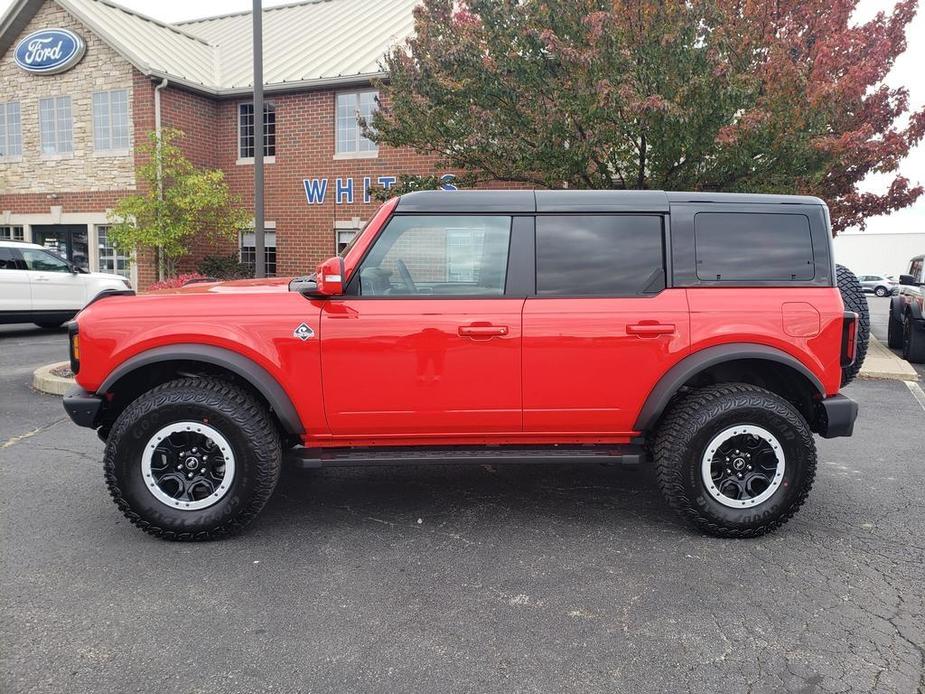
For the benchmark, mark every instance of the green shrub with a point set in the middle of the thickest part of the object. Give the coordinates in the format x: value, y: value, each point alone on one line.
x: 225, y: 267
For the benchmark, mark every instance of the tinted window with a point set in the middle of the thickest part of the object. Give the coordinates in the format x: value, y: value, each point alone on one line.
x: 915, y: 269
x: 606, y: 255
x: 44, y: 261
x: 742, y: 246
x: 8, y: 260
x: 437, y: 255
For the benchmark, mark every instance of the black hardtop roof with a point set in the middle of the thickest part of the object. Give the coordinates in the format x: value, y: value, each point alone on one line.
x: 513, y: 201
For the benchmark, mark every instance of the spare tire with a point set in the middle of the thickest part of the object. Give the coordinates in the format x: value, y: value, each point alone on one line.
x: 853, y: 297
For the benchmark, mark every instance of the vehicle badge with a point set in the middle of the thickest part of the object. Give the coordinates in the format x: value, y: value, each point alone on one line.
x: 303, y: 332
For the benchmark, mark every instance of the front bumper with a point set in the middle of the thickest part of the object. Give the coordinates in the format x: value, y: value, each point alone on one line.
x: 83, y: 407
x: 836, y: 416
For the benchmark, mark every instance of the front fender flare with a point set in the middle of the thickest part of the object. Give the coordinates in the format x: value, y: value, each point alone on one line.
x: 690, y: 366
x: 246, y: 368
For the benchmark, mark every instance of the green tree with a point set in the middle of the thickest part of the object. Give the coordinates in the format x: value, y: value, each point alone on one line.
x: 177, y: 202
x: 779, y: 96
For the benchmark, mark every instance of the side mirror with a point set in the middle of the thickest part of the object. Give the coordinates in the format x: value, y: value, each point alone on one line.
x: 330, y: 277
x: 908, y: 280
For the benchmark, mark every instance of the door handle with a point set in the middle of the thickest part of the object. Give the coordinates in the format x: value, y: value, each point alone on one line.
x: 40, y: 278
x: 650, y: 329
x: 482, y: 330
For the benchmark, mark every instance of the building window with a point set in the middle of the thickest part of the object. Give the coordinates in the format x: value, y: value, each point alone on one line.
x: 12, y: 233
x: 350, y: 107
x: 56, y: 125
x: 110, y: 121
x: 343, y: 238
x: 110, y: 259
x: 249, y: 251
x: 247, y: 137
x: 10, y: 130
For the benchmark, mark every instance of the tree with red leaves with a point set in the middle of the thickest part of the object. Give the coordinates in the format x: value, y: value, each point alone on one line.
x: 775, y: 96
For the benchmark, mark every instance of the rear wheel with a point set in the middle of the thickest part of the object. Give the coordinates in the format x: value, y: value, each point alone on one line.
x: 192, y: 459
x: 853, y: 297
x: 881, y: 291
x: 913, y: 340
x: 734, y: 459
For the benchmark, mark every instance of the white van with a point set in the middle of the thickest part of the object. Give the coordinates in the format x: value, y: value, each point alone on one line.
x: 39, y: 286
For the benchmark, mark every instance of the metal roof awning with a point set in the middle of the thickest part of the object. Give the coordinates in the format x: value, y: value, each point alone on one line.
x: 307, y: 45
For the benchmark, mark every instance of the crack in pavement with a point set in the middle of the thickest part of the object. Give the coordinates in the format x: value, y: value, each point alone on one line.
x: 29, y: 434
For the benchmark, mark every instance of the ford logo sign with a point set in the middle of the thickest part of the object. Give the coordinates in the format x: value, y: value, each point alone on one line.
x: 49, y: 51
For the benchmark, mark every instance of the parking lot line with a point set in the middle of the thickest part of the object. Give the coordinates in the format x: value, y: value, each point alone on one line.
x: 917, y: 392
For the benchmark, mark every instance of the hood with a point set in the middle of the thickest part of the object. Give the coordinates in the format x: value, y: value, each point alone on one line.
x: 105, y: 276
x: 261, y: 286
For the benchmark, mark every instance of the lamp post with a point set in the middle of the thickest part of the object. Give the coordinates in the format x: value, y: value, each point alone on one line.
x: 259, y: 261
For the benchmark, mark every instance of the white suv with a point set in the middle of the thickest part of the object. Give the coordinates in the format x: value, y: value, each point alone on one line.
x: 38, y: 286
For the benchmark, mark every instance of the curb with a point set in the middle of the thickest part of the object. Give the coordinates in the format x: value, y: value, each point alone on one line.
x: 45, y: 381
x: 882, y: 363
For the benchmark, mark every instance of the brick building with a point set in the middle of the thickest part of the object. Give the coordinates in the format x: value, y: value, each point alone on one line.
x: 67, y: 134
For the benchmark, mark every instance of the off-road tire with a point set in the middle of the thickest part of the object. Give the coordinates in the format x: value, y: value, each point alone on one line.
x: 913, y: 341
x: 232, y: 411
x: 894, y: 330
x: 682, y: 439
x: 854, y: 299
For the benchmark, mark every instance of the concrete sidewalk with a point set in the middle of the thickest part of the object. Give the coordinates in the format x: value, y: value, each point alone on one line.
x: 883, y: 363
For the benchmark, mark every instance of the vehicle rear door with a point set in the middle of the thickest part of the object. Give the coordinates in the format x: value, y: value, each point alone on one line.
x: 427, y: 341
x: 54, y: 286
x: 602, y: 328
x: 15, y: 291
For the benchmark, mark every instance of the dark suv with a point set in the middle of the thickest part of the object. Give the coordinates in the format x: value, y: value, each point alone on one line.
x: 907, y: 313
x: 704, y: 334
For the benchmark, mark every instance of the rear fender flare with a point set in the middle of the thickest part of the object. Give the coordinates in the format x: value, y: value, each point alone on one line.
x: 669, y: 384
x: 242, y: 366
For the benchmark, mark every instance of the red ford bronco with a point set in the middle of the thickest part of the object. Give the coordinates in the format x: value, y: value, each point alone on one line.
x: 704, y: 333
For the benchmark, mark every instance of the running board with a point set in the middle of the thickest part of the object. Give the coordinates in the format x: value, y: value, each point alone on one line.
x: 481, y: 455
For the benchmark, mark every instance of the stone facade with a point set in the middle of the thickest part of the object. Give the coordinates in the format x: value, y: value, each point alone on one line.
x: 85, y: 170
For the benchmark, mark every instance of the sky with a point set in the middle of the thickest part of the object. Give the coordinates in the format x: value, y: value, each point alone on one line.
x: 907, y: 71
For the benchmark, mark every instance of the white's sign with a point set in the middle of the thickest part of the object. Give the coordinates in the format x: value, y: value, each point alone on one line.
x: 317, y: 189
x: 49, y: 51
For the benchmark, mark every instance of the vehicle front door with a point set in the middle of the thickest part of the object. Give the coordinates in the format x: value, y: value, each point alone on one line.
x: 426, y: 343
x: 54, y: 286
x: 602, y: 328
x: 15, y: 292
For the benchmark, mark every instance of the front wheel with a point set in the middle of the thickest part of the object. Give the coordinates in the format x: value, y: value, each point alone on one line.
x: 880, y: 291
x: 734, y: 459
x: 193, y: 459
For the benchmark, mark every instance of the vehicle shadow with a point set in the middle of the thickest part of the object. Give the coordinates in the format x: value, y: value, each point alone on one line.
x: 516, y: 494
x: 28, y: 330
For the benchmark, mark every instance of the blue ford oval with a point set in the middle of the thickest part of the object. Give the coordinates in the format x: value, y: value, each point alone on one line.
x: 49, y: 51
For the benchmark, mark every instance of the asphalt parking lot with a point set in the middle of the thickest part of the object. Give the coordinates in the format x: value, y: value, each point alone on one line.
x: 458, y: 578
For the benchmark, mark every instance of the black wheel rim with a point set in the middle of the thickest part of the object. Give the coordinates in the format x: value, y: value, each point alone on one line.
x: 188, y: 465
x: 743, y: 466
